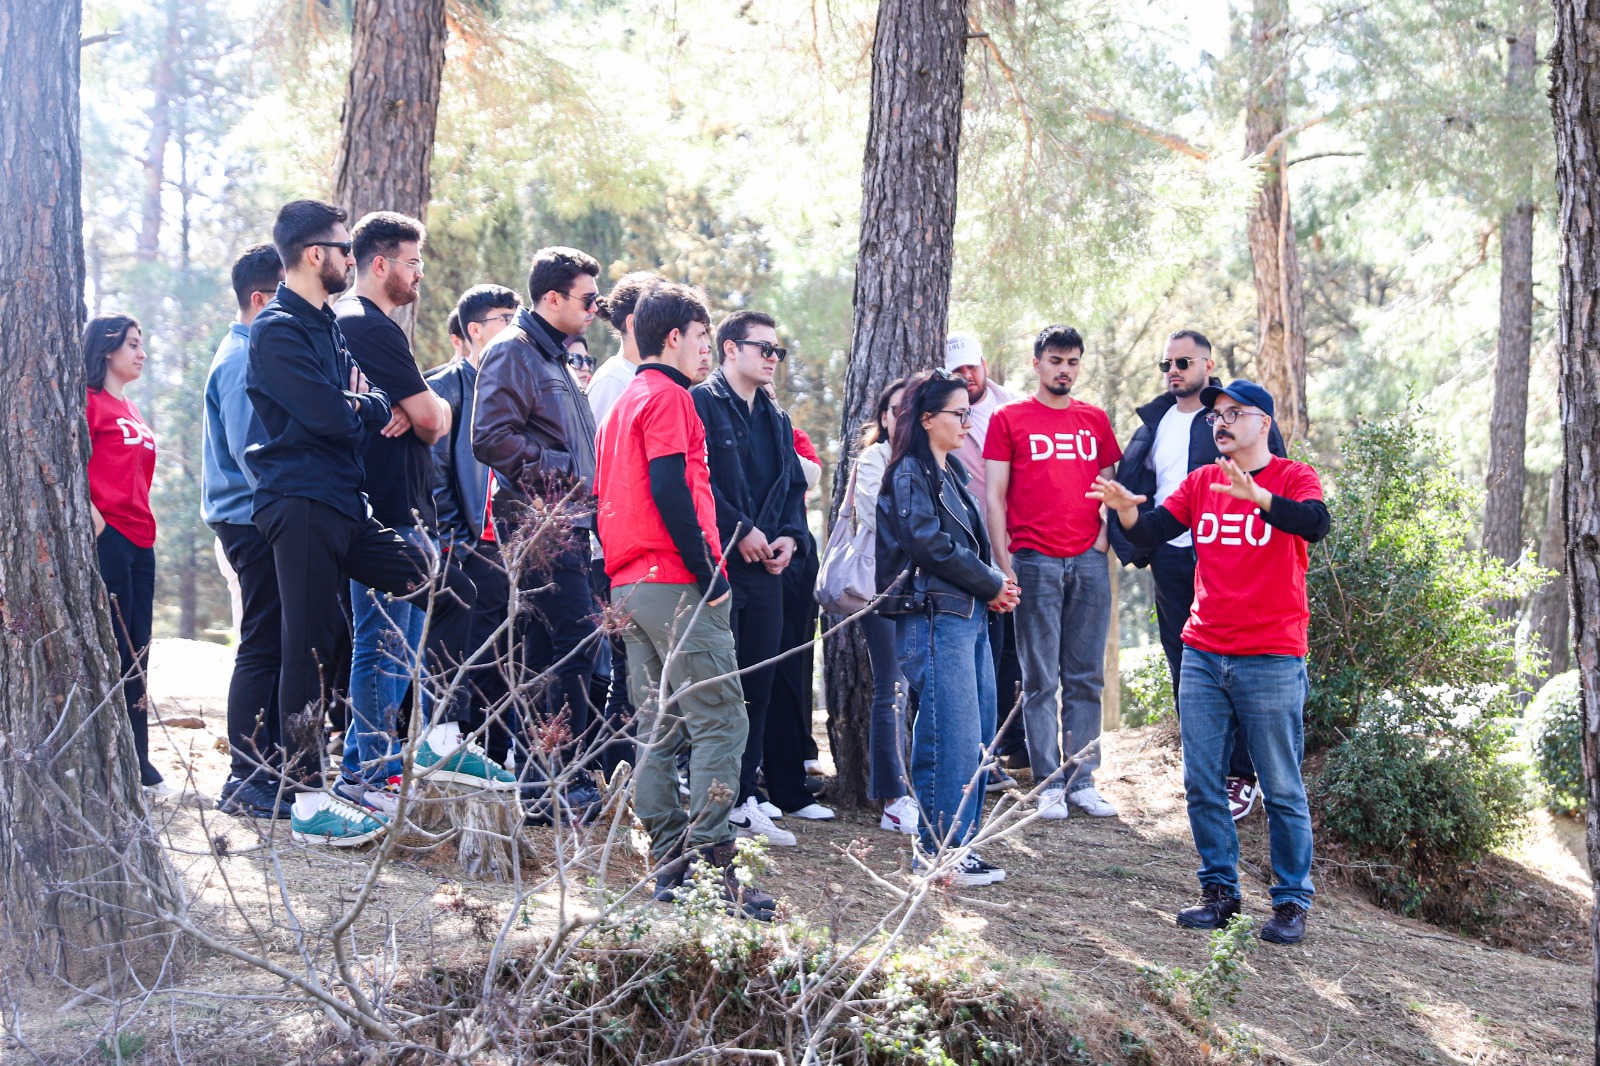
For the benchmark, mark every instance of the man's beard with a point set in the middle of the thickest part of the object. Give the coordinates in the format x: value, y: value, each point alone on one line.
x: 1058, y: 390
x: 399, y: 291
x: 975, y: 393
x: 334, y: 276
x: 1183, y: 392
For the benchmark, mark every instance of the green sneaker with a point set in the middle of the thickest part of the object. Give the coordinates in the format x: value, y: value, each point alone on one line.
x: 336, y: 824
x: 468, y: 765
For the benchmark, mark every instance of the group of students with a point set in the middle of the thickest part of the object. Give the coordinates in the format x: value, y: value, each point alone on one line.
x: 466, y: 530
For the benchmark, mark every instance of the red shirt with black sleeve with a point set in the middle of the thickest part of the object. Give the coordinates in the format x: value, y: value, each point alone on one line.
x: 653, y: 418
x: 122, y: 464
x: 1250, y: 578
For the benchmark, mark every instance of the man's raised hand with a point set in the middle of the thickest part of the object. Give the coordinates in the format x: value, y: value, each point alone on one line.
x: 1113, y: 494
x: 1241, y: 486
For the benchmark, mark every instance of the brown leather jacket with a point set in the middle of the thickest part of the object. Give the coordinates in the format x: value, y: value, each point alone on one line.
x: 530, y: 422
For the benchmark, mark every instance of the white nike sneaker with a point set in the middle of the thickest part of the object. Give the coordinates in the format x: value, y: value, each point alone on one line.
x: 770, y: 809
x: 814, y: 812
x: 1090, y: 802
x: 749, y: 820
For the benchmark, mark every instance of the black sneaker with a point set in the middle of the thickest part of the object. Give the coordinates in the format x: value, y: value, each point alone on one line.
x: 740, y: 899
x: 1286, y: 926
x: 669, y: 878
x: 1213, y: 911
x: 255, y: 798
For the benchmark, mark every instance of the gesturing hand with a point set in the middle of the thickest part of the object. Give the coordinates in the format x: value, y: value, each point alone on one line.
x: 1113, y: 494
x: 1241, y: 486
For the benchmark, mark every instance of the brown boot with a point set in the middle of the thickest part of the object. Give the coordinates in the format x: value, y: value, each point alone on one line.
x: 745, y: 900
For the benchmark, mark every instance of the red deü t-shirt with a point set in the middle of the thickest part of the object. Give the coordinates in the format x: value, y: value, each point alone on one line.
x: 1250, y: 578
x: 653, y: 417
x: 122, y: 463
x: 1055, y: 454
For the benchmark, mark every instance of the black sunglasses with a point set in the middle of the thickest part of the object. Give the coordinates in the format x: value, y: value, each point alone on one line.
x: 1182, y: 363
x: 591, y: 300
x: 343, y: 246
x: 581, y: 360
x: 768, y: 349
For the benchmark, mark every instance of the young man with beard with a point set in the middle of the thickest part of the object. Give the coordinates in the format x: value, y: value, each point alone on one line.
x: 316, y: 409
x: 1042, y: 455
x: 1172, y: 440
x: 533, y: 427
x: 760, y: 495
x: 1244, y: 668
x: 658, y: 524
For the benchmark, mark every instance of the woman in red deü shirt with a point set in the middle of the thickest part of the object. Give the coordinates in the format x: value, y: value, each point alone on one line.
x: 122, y: 464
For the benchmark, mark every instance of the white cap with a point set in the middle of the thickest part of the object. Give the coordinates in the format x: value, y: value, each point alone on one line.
x: 962, y: 348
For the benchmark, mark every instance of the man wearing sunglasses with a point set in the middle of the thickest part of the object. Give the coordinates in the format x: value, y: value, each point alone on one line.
x: 1252, y: 514
x: 533, y: 427
x: 1172, y: 440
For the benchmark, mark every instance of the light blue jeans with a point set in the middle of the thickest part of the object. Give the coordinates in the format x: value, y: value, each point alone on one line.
x: 1265, y: 695
x: 1061, y: 643
x: 947, y: 663
x: 386, y: 636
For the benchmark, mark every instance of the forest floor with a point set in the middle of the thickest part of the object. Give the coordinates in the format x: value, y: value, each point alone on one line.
x: 1084, y: 914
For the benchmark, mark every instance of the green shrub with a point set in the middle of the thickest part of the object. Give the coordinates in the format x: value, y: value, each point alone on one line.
x: 1555, y: 733
x: 1146, y: 686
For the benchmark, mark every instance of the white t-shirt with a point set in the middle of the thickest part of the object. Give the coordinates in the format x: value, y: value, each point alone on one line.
x: 607, y: 384
x: 1170, y: 458
x: 971, y: 453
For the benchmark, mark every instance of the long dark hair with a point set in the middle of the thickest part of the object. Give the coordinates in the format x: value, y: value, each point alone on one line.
x: 925, y: 393
x: 103, y: 335
x: 872, y: 430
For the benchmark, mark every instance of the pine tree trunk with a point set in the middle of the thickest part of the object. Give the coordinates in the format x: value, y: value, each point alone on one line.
x: 902, y: 293
x: 1575, y: 103
x: 1549, y: 611
x: 162, y: 73
x: 1508, y: 418
x: 1280, y: 301
x: 80, y: 873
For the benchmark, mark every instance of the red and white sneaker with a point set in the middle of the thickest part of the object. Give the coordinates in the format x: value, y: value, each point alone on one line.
x: 1242, y: 796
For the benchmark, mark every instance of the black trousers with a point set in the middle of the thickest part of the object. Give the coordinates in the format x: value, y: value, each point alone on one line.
x: 757, y: 621
x: 1011, y: 738
x: 314, y: 547
x: 555, y: 631
x: 616, y: 730
x: 129, y: 573
x: 255, y: 734
x: 788, y: 741
x: 1172, y: 573
x: 486, y: 679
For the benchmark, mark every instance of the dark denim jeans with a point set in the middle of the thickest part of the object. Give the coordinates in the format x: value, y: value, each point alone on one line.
x: 1262, y: 696
x: 886, y: 729
x: 947, y: 662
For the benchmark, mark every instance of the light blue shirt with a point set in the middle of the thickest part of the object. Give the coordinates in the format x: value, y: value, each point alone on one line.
x: 227, y: 487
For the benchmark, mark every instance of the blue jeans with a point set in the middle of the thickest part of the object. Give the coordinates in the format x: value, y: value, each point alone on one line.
x: 886, y: 729
x: 1262, y: 696
x: 1061, y: 640
x: 385, y: 642
x: 947, y: 662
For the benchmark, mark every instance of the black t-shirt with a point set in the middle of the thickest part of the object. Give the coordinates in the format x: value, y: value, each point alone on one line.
x: 762, y: 463
x: 399, y: 469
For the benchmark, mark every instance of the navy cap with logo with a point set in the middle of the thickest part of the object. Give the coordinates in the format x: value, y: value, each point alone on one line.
x: 1246, y: 392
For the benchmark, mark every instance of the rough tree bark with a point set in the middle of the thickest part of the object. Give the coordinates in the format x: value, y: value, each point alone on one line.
x: 1280, y: 300
x: 80, y: 873
x: 1549, y: 613
x: 1508, y: 417
x: 902, y: 292
x: 1575, y: 103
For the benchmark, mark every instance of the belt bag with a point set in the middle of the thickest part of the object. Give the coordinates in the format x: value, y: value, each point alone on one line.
x: 847, y: 579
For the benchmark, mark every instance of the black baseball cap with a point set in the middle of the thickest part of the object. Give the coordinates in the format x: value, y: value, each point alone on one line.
x: 1246, y: 392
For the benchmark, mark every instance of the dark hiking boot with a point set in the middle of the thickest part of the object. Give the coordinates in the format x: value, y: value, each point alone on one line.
x: 742, y: 899
x: 1214, y: 910
x: 1286, y: 926
x: 669, y: 877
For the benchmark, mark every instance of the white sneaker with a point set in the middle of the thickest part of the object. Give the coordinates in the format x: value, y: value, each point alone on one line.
x: 751, y: 821
x: 1090, y: 802
x: 814, y: 766
x: 160, y: 791
x: 814, y: 812
x: 900, y: 816
x: 770, y: 809
x: 1053, y: 805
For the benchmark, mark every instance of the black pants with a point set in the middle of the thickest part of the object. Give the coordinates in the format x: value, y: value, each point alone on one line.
x: 314, y: 547
x: 129, y: 573
x: 789, y: 719
x: 1012, y: 738
x: 554, y: 631
x: 1172, y: 574
x: 255, y: 736
x: 486, y: 678
x: 617, y: 728
x: 757, y: 622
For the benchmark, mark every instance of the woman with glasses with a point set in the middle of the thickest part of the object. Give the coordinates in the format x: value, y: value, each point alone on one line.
x: 933, y: 560
x: 579, y: 359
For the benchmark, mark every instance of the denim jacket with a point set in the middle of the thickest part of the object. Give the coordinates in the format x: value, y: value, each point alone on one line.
x: 920, y: 529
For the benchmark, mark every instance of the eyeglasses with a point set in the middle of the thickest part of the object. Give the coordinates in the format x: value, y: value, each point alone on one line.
x: 502, y: 319
x: 962, y: 413
x: 1231, y: 415
x: 1182, y: 363
x: 768, y: 349
x: 590, y: 300
x: 343, y: 246
x: 414, y: 264
x: 581, y: 361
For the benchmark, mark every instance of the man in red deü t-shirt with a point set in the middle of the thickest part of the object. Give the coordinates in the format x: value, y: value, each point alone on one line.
x: 1244, y: 665
x: 658, y: 530
x: 1042, y: 454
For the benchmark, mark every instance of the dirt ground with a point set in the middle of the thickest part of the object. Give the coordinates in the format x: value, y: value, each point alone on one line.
x: 1086, y: 905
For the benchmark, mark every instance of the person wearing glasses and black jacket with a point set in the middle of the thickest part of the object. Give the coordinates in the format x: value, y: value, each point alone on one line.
x: 1172, y: 440
x: 933, y: 560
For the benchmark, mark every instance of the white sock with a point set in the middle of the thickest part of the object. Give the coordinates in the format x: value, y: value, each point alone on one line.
x: 307, y: 803
x: 445, y: 737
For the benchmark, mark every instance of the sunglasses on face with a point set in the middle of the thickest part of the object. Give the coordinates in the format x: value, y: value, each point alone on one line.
x: 1183, y: 363
x: 768, y: 349
x: 589, y: 299
x: 580, y: 361
x: 343, y: 246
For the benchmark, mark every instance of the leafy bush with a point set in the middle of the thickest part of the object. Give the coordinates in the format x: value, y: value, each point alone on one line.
x: 1146, y: 686
x: 1555, y: 733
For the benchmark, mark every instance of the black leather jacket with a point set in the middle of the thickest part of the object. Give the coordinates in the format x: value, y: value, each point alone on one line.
x: 530, y: 422
x: 1137, y: 470
x: 460, y: 482
x: 783, y: 512
x: 922, y: 529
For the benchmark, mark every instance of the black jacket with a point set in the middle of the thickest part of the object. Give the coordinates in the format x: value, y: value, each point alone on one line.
x: 783, y: 512
x: 1137, y: 471
x: 298, y: 379
x: 919, y: 530
x: 460, y: 482
x: 530, y: 422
